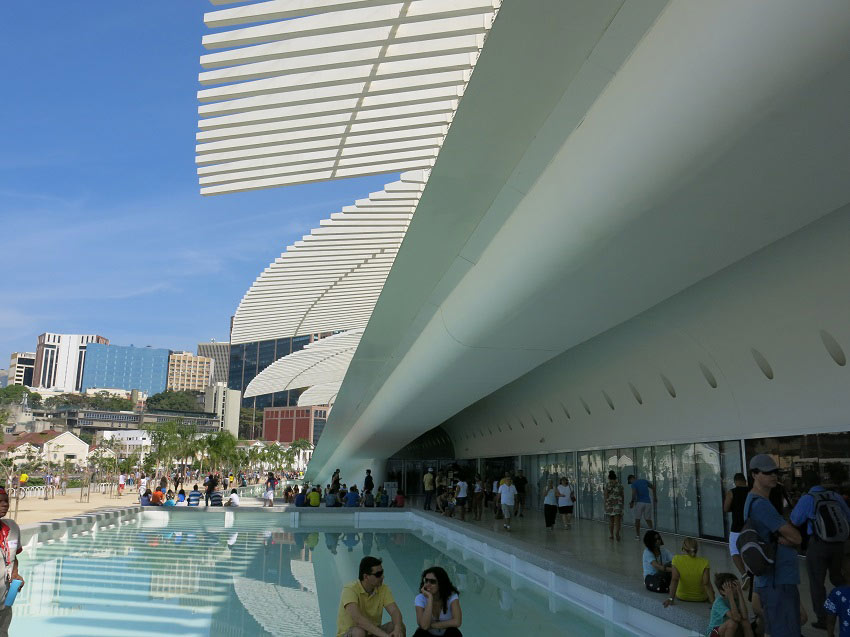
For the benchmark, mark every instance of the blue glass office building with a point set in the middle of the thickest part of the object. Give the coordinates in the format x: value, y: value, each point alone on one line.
x: 126, y: 367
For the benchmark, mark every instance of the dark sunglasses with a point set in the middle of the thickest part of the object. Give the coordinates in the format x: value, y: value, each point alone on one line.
x: 378, y: 574
x: 773, y: 472
x: 430, y: 580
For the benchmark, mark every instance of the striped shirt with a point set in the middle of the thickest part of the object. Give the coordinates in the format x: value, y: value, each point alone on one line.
x: 215, y: 499
x: 194, y: 498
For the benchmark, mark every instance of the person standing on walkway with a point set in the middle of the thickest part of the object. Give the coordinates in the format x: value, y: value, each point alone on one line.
x: 827, y: 522
x: 733, y: 503
x: 368, y: 481
x: 777, y: 588
x: 211, y: 483
x: 428, y: 485
x: 614, y: 501
x: 10, y: 546
x: 566, y: 500
x: 478, y: 498
x: 641, y: 503
x: 507, y: 498
x: 520, y: 482
x: 550, y: 505
x: 461, y: 495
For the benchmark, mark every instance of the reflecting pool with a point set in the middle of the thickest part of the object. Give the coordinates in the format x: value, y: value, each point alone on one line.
x: 240, y: 574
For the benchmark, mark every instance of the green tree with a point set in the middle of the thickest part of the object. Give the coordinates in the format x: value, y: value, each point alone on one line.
x: 175, y: 401
x: 14, y: 394
x: 221, y: 447
x: 249, y: 421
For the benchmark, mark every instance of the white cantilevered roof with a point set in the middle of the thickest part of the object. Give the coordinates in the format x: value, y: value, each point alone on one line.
x: 320, y: 362
x: 331, y: 280
x: 323, y: 394
x: 326, y: 89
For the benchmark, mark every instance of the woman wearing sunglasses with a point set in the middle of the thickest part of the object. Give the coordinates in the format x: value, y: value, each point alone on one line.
x: 437, y: 605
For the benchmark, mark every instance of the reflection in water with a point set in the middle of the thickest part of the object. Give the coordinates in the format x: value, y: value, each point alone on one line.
x: 198, y: 576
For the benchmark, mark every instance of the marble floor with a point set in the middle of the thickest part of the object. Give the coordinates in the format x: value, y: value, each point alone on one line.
x: 586, y: 545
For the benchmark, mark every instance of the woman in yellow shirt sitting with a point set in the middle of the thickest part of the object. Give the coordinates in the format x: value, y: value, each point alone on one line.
x: 691, y: 580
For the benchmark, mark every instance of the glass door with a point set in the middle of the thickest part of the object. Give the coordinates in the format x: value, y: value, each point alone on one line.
x: 710, y: 489
x: 687, y: 506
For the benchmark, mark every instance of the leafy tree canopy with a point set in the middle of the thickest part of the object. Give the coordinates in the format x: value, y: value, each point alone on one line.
x: 102, y: 401
x: 175, y: 401
x: 13, y: 394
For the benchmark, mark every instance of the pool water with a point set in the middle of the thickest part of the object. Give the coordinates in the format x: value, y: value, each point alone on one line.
x: 200, y: 575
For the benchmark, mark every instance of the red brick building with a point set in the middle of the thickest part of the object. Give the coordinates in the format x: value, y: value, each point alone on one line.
x: 288, y: 424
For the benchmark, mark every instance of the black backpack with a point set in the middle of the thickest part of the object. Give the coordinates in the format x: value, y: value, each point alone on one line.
x: 758, y: 555
x: 829, y: 522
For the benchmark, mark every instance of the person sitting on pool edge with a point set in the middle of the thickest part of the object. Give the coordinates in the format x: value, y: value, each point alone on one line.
x: 437, y: 605
x: 362, y: 604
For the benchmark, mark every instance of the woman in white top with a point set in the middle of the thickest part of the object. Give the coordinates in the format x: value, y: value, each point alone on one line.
x: 461, y: 494
x: 565, y: 501
x: 437, y: 605
x: 550, y: 505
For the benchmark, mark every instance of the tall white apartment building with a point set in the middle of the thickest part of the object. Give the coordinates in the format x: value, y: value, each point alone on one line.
x: 21, y: 365
x: 59, y: 360
x: 187, y: 372
x: 225, y: 403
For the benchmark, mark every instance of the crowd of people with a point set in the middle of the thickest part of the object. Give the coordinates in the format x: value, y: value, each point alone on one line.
x: 213, y: 493
x: 767, y: 536
x: 363, y: 602
x: 336, y: 494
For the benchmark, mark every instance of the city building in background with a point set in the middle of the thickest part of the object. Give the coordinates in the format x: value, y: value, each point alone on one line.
x: 223, y: 402
x: 125, y: 367
x: 288, y: 424
x: 128, y: 442
x: 187, y: 372
x: 220, y: 353
x: 60, y: 360
x: 21, y: 367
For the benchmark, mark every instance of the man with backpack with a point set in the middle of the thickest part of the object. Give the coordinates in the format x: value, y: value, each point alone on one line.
x: 827, y: 521
x: 776, y: 583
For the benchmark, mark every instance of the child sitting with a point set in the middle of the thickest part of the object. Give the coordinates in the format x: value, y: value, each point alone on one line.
x: 837, y: 604
x: 729, y: 616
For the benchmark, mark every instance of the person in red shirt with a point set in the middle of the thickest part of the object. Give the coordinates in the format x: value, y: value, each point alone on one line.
x: 398, y: 500
x: 10, y: 546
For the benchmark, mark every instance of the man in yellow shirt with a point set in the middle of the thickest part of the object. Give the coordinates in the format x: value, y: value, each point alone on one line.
x: 362, y: 604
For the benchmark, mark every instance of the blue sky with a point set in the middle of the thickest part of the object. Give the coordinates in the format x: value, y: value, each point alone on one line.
x: 103, y: 230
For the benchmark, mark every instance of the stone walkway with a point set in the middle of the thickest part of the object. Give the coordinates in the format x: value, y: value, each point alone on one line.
x: 587, y: 545
x: 32, y: 510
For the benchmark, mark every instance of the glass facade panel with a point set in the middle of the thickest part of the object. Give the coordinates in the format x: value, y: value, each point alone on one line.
x: 625, y: 465
x: 598, y: 477
x: 585, y: 486
x: 710, y: 488
x: 685, y: 479
x: 664, y: 488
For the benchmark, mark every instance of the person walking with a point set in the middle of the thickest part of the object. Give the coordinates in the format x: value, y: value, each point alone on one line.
x: 614, y: 501
x: 368, y: 481
x: 826, y: 518
x: 641, y: 502
x: 428, y: 485
x: 550, y: 505
x: 507, y: 498
x: 733, y: 502
x: 520, y: 482
x: 566, y: 498
x: 777, y: 588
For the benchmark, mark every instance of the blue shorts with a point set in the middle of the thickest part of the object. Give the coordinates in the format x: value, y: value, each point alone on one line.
x: 781, y: 606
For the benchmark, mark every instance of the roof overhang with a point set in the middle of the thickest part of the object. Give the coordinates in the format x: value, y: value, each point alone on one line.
x: 605, y: 157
